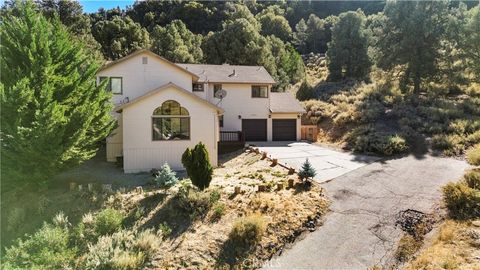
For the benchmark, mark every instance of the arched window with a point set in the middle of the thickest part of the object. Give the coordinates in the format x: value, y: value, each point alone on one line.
x: 170, y: 122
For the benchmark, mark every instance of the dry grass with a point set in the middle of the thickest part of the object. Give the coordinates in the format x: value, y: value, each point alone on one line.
x: 456, y: 246
x: 203, y: 241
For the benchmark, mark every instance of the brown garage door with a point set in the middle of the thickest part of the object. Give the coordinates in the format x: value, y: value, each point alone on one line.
x: 255, y: 129
x: 284, y: 129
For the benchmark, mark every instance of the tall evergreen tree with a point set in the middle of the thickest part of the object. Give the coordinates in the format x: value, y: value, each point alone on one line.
x: 53, y: 114
x: 300, y: 36
x: 348, y: 51
x: 411, y: 38
x: 276, y: 25
x: 472, y: 42
x: 176, y: 43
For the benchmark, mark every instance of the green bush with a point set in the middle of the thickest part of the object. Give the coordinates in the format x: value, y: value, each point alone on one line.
x: 166, y: 177
x: 108, y: 221
x: 197, y: 164
x: 48, y: 248
x: 473, y: 156
x: 461, y: 201
x: 248, y: 230
x: 305, y: 92
x: 218, y: 211
x: 366, y: 139
x: 307, y: 171
x: 472, y: 179
x: 214, y: 196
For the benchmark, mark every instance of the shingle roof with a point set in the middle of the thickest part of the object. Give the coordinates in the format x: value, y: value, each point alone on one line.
x: 284, y: 103
x: 229, y: 73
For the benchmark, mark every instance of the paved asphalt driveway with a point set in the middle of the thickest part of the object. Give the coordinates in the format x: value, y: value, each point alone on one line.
x: 360, y: 231
x: 328, y: 163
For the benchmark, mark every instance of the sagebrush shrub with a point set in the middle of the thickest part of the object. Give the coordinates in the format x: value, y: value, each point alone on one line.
x: 196, y: 203
x: 473, y: 156
x: 472, y: 179
x: 218, y: 211
x: 108, y: 221
x: 366, y: 139
x: 248, y: 230
x: 122, y: 250
x: 461, y: 201
x: 48, y: 248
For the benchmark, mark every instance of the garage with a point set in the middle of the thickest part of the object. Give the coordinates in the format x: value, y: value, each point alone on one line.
x: 284, y: 129
x: 254, y: 129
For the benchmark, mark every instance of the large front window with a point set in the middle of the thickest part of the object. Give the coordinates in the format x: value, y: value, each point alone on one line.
x: 170, y: 122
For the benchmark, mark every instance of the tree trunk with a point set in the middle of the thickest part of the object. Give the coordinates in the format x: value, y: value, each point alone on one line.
x: 416, y: 84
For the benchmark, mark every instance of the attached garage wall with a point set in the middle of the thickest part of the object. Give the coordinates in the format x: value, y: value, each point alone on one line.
x: 284, y: 129
x: 255, y: 129
x: 284, y: 116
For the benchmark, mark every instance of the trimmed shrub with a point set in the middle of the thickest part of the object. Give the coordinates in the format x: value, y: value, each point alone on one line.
x: 197, y: 164
x: 248, y: 230
x: 166, y: 177
x: 473, y: 155
x: 48, y: 248
x: 462, y: 201
x: 108, y: 221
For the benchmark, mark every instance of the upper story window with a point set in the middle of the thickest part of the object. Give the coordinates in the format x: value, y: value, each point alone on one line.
x: 216, y: 88
x: 170, y: 122
x: 197, y: 87
x: 114, y: 85
x: 259, y: 91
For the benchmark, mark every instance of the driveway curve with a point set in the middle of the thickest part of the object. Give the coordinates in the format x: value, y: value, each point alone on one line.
x: 360, y: 231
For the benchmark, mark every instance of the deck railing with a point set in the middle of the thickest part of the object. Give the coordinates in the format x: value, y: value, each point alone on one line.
x: 231, y: 136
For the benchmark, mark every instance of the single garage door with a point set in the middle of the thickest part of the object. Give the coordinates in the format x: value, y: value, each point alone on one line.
x: 255, y: 129
x: 284, y: 129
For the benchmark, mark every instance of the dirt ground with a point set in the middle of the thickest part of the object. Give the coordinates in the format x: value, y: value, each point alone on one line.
x: 202, y: 242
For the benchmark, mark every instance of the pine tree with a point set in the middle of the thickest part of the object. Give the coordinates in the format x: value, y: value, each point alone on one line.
x: 197, y: 164
x: 348, y: 51
x: 53, y: 114
x: 307, y: 171
x: 166, y: 177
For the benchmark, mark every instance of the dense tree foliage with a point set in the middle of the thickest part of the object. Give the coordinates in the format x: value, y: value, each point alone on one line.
x: 411, y: 36
x: 120, y: 36
x: 197, y: 164
x: 472, y: 42
x: 176, y: 43
x: 53, y: 114
x: 274, y: 23
x: 348, y: 51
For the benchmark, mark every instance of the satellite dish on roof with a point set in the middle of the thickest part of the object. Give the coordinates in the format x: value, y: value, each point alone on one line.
x: 220, y: 94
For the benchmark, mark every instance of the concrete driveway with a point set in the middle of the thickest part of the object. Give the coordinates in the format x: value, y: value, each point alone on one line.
x: 360, y: 231
x: 328, y: 163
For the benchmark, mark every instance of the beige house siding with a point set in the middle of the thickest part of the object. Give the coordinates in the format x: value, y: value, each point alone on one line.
x: 239, y: 102
x: 141, y: 153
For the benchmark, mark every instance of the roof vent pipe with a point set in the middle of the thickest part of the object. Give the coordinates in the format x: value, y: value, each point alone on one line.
x: 234, y: 73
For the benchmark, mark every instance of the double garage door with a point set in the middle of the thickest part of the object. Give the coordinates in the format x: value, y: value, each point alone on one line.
x: 282, y: 129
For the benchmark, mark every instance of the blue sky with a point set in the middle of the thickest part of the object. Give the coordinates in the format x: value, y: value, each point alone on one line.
x: 90, y: 6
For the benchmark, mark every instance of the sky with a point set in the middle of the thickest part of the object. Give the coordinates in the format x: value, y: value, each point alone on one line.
x: 90, y: 6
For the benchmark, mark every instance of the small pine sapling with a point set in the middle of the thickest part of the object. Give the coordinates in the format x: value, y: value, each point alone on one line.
x: 307, y: 171
x: 166, y: 177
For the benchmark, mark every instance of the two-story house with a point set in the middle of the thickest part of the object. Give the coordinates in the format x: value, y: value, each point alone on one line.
x: 162, y: 108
